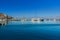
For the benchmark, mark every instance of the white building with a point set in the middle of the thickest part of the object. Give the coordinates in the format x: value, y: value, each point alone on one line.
x: 3, y: 19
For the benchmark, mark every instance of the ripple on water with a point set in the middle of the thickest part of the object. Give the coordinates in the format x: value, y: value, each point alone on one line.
x: 30, y: 32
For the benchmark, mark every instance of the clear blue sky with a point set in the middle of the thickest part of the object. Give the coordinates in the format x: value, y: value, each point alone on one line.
x: 30, y: 8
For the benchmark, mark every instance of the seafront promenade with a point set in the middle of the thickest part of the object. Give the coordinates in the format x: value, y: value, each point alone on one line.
x: 5, y: 19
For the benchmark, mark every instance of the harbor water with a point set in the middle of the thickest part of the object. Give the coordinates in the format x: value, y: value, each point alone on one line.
x: 20, y: 31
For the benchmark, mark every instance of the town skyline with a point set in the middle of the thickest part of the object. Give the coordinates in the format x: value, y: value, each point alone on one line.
x: 5, y: 19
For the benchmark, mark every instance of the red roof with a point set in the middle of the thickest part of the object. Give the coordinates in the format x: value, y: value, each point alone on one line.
x: 2, y: 15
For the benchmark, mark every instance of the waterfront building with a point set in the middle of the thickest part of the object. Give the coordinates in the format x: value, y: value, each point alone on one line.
x: 57, y: 19
x: 4, y: 19
x: 23, y: 19
x: 49, y: 19
x: 35, y: 19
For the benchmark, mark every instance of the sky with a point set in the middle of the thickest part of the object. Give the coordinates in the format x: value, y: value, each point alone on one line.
x: 30, y: 8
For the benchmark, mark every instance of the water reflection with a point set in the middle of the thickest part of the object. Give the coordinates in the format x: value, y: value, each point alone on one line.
x: 30, y: 32
x: 29, y: 22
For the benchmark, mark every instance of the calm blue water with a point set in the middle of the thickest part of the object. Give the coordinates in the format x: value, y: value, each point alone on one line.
x: 30, y: 32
